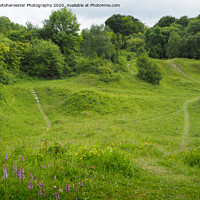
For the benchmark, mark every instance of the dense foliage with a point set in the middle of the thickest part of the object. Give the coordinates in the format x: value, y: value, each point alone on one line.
x: 96, y: 42
x: 148, y: 70
x: 44, y: 59
x: 58, y: 49
x: 124, y: 25
x: 9, y: 60
x: 62, y: 28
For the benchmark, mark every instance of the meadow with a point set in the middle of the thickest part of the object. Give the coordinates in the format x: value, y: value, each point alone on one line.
x: 122, y: 140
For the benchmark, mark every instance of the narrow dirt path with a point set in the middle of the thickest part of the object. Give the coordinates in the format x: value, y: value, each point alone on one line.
x: 185, y: 135
x: 130, y: 69
x: 42, y: 112
x: 179, y: 69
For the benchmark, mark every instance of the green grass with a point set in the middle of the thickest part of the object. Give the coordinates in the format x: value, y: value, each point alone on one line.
x: 124, y: 139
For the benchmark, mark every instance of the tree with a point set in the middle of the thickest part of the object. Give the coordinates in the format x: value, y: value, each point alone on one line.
x: 136, y: 44
x: 9, y: 60
x: 165, y: 21
x: 174, y: 45
x: 148, y: 70
x: 62, y: 28
x: 96, y: 42
x: 155, y: 42
x: 193, y: 26
x: 125, y: 25
x: 44, y: 59
x: 192, y: 46
x: 21, y: 35
x: 183, y: 21
x: 6, y: 26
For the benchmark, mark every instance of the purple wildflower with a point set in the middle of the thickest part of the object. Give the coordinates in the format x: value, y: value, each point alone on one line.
x: 81, y: 183
x: 5, y: 172
x: 54, y: 178
x: 30, y: 185
x: 67, y: 189
x: 15, y: 167
x: 44, y: 166
x: 41, y: 185
x: 41, y: 190
x: 17, y: 173
x: 21, y: 174
x: 22, y: 159
x: 49, y: 164
x: 76, y: 189
x: 57, y: 195
x: 6, y: 157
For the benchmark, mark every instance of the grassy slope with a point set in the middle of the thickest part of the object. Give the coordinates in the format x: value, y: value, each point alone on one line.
x: 140, y: 152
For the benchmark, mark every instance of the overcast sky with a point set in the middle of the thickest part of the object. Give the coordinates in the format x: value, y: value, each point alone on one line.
x: 148, y: 11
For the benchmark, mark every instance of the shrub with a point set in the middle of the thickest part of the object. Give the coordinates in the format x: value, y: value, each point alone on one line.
x: 104, y: 68
x: 107, y: 75
x: 148, y: 70
x: 44, y: 59
x: 86, y: 65
x: 9, y: 60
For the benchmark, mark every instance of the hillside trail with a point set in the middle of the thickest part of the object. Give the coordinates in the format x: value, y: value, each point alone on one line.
x: 130, y: 69
x: 185, y: 134
x: 48, y: 123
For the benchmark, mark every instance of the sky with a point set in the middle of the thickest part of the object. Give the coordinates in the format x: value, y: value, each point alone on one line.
x: 147, y: 11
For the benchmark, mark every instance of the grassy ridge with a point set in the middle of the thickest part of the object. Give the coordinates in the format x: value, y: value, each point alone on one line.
x: 126, y: 143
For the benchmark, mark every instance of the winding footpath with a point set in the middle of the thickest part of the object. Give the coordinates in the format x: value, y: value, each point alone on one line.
x: 185, y: 135
x: 42, y: 112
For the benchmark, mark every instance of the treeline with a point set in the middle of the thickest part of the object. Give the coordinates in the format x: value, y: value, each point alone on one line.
x: 171, y: 37
x: 58, y: 49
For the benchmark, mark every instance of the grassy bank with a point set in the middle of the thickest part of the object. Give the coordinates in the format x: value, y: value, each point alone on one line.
x: 120, y: 140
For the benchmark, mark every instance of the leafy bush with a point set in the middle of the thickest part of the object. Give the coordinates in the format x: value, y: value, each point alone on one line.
x: 148, y: 70
x: 105, y: 68
x: 107, y: 75
x: 44, y: 59
x: 86, y: 65
x: 9, y: 60
x: 136, y: 45
x: 7, y: 77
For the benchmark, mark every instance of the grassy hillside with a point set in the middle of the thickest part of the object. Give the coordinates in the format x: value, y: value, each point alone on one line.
x: 123, y: 140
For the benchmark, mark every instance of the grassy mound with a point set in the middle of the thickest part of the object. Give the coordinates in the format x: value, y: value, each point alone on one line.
x: 88, y: 100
